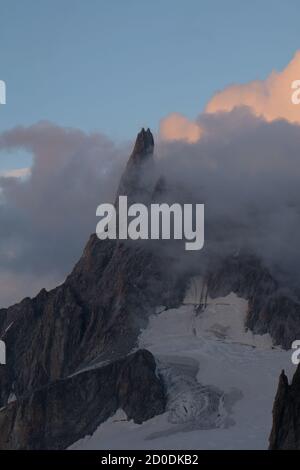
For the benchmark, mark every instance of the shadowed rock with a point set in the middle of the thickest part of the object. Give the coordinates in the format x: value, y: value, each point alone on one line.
x: 285, y: 432
x: 61, y: 413
x: 139, y: 177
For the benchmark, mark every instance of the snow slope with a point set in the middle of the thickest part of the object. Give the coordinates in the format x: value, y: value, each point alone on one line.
x: 221, y: 382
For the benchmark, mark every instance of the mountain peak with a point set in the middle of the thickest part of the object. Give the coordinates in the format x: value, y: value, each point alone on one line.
x: 138, y: 175
x: 144, y: 145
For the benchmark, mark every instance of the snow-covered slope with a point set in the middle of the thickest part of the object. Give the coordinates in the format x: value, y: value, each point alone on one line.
x: 221, y: 381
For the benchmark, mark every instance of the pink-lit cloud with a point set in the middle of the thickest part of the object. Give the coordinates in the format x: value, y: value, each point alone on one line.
x: 270, y: 99
x: 178, y: 127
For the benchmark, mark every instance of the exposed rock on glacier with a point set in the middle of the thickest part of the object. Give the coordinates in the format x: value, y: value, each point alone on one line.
x: 55, y: 416
x: 272, y: 309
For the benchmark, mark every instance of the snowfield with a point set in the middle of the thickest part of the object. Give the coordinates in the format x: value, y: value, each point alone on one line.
x: 221, y: 381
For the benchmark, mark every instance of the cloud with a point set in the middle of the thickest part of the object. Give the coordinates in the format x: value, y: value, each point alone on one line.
x: 240, y: 157
x: 178, y: 127
x: 269, y: 99
x: 246, y: 171
x: 47, y: 217
x: 16, y: 173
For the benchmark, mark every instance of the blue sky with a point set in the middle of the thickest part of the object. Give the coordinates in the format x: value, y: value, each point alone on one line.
x: 115, y: 65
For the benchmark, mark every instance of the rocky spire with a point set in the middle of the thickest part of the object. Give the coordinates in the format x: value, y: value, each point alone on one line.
x: 138, y: 178
x: 286, y: 417
x: 143, y: 148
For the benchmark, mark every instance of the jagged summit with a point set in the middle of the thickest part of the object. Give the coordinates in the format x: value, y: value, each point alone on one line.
x: 144, y: 145
x: 137, y: 178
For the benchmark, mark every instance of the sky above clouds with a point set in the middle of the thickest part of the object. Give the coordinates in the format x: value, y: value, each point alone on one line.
x: 269, y: 98
x: 84, y: 77
x: 115, y: 66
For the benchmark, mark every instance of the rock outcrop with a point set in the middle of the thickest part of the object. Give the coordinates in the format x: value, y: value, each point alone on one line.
x: 272, y: 309
x: 55, y: 416
x: 285, y: 432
